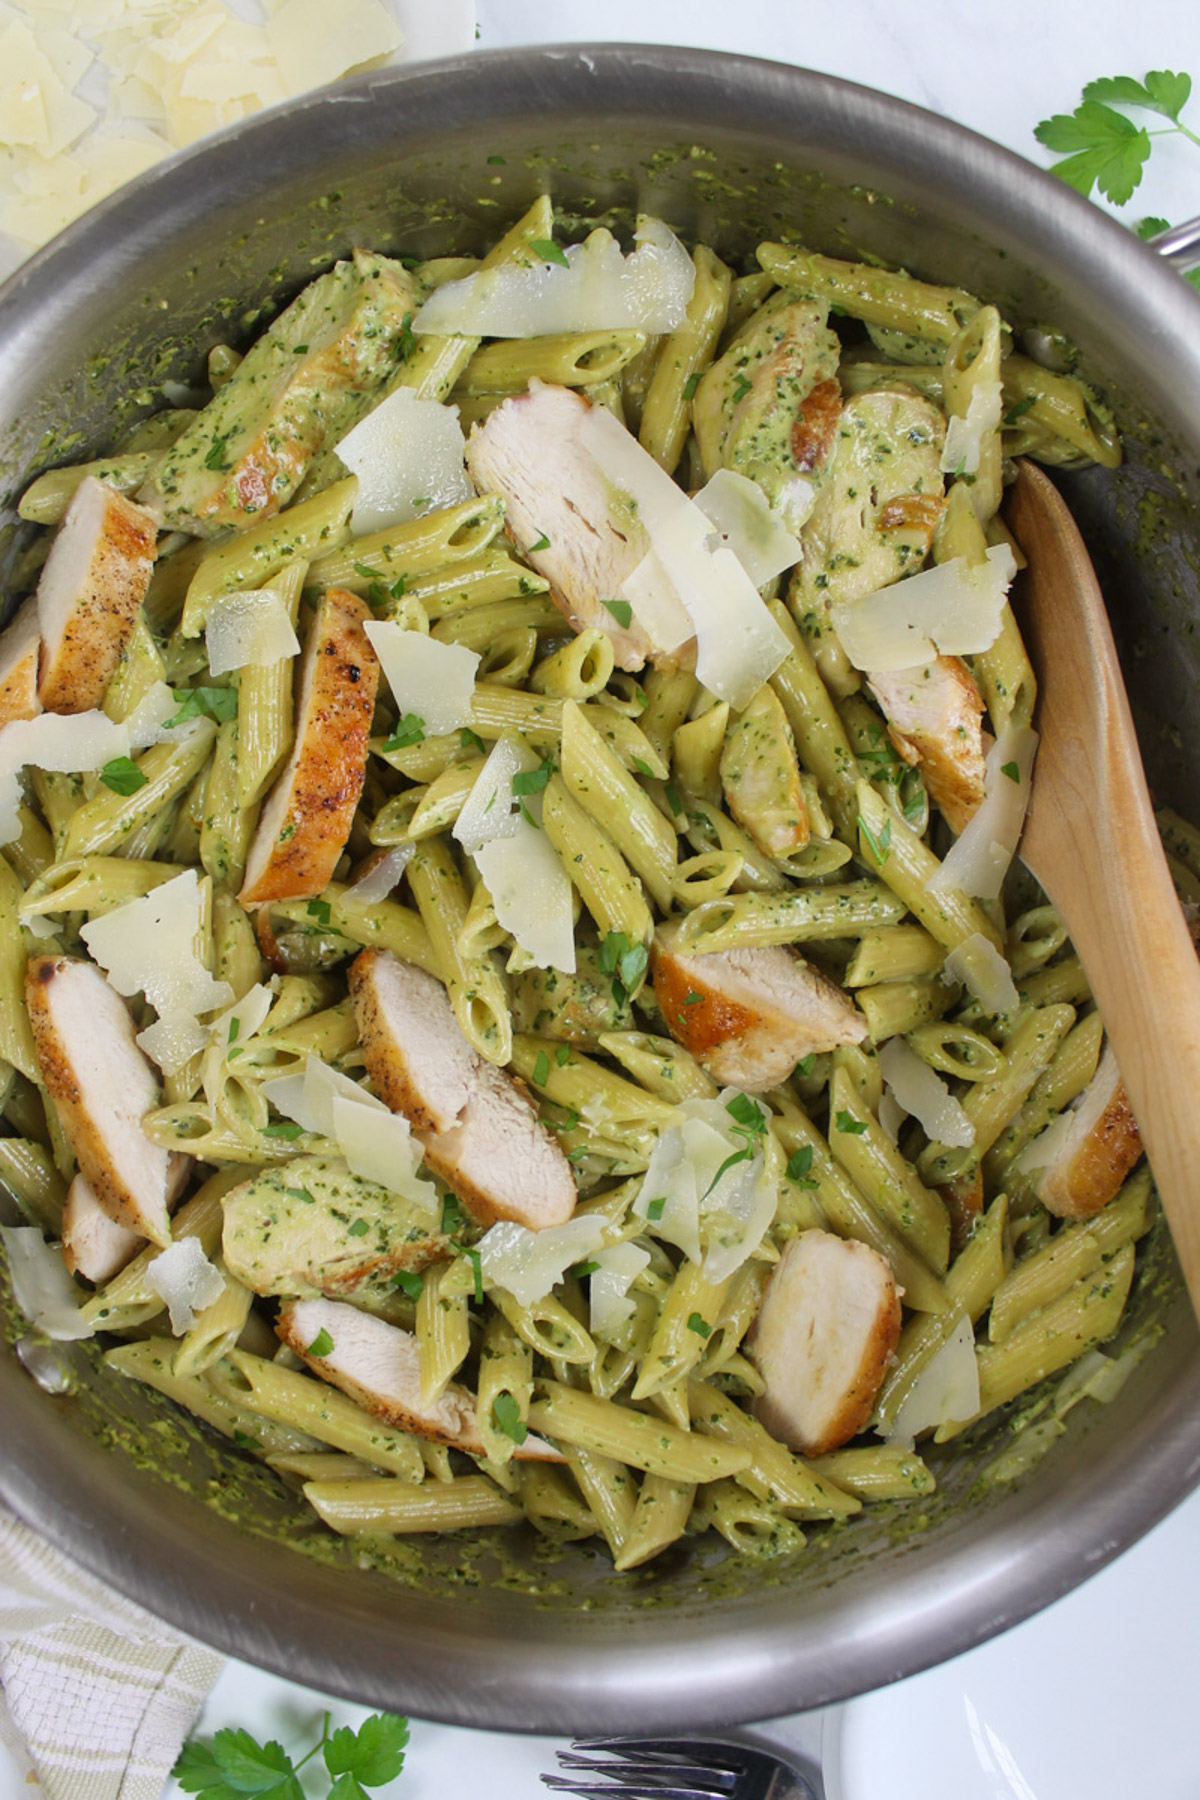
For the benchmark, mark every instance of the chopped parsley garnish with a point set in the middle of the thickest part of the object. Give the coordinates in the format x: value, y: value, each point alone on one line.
x: 625, y: 962
x: 285, y: 1129
x: 846, y: 1121
x: 318, y: 910
x: 543, y: 543
x: 532, y: 781
x: 673, y: 800
x: 406, y: 341
x: 549, y: 251
x: 506, y: 1417
x: 643, y: 767
x: 562, y: 1055
x: 690, y: 386
x: 621, y: 611
x: 235, y: 1025
x: 749, y: 1124
x: 654, y: 1210
x: 1011, y: 770
x: 452, y: 1216
x: 806, y: 1065
x: 219, y: 703
x: 301, y: 1193
x: 699, y: 1324
x: 214, y: 457
x: 692, y: 997
x: 409, y: 1282
x: 321, y: 1345
x: 1020, y: 407
x: 741, y: 388
x: 409, y: 730
x: 583, y: 1269
x: 878, y: 846
x: 1105, y: 149
x: 541, y: 1069
x: 473, y: 1257
x: 799, y: 1167
x: 358, y: 1228
x: 470, y: 740
x: 123, y: 776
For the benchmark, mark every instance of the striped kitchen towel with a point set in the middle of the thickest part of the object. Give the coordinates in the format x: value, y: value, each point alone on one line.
x: 96, y: 1695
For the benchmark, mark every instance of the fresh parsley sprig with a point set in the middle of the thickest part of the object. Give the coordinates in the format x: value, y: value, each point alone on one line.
x: 1106, y: 149
x: 233, y: 1765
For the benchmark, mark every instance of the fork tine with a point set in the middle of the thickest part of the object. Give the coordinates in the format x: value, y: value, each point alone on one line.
x: 640, y: 1771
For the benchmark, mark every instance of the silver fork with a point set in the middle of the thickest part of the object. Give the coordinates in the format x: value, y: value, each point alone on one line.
x: 682, y: 1769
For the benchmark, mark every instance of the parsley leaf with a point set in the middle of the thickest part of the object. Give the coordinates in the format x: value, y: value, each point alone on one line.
x: 322, y: 1344
x: 409, y: 730
x: 878, y: 846
x: 549, y: 251
x: 532, y: 781
x: 318, y: 910
x: 285, y: 1129
x: 799, y: 1166
x: 847, y: 1122
x: 1103, y: 147
x: 1011, y: 770
x: 654, y: 1210
x: 301, y: 1193
x: 541, y: 1069
x: 214, y: 456
x: 470, y: 740
x: 123, y: 776
x: 699, y: 1324
x: 621, y: 611
x: 374, y: 1754
x: 506, y: 1417
x: 359, y: 1228
x: 690, y: 386
x: 543, y: 543
x: 219, y: 703
x: 409, y: 1282
x: 625, y: 962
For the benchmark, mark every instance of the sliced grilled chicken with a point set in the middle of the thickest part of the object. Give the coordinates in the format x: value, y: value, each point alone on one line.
x: 103, y: 1087
x: 311, y: 1227
x: 307, y: 815
x: 761, y: 777
x: 297, y: 390
x: 935, y: 719
x: 875, y: 513
x: 769, y: 407
x: 749, y: 1016
x: 478, y: 1129
x: 93, y: 1245
x: 378, y: 1365
x: 90, y: 593
x: 1097, y: 1148
x: 825, y: 1334
x: 20, y: 648
x: 528, y: 450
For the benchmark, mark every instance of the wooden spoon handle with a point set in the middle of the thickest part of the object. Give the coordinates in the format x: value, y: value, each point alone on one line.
x: 1092, y: 843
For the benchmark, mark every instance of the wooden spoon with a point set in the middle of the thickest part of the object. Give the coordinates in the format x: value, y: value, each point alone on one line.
x: 1092, y: 843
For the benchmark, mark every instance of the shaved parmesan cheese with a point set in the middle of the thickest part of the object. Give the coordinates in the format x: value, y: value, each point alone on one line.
x: 245, y: 1018
x: 978, y: 862
x: 529, y: 887
x: 323, y: 1087
x: 286, y: 1094
x: 946, y: 1392
x: 310, y: 54
x: 1047, y: 1145
x: 668, y: 1198
x: 738, y: 643
x: 41, y: 1286
x: 490, y: 810
x: 922, y: 1093
x: 531, y: 894
x: 249, y: 627
x: 435, y: 681
x: 151, y: 946
x: 717, y: 1201
x: 954, y: 607
x: 408, y: 456
x: 984, y: 973
x: 67, y: 743
x: 145, y: 724
x: 378, y: 1146
x: 530, y: 1263
x: 615, y: 1272
x: 747, y: 525
x: 185, y: 1281
x: 597, y: 290
x: 172, y: 1041
x: 964, y: 437
x: 656, y: 605
x: 383, y: 874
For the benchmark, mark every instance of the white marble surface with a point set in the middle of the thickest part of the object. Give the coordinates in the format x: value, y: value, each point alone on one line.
x: 1094, y: 1697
